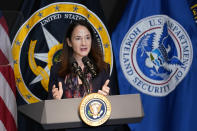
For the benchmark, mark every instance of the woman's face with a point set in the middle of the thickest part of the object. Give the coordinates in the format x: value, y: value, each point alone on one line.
x: 80, y: 41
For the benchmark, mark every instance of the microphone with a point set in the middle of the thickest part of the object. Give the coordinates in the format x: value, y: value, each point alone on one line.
x: 77, y: 70
x: 90, y: 65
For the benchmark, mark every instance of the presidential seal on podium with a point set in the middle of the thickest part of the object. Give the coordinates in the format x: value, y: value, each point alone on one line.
x: 95, y: 109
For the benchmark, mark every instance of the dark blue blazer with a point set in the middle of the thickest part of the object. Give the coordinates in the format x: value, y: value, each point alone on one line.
x: 97, y: 82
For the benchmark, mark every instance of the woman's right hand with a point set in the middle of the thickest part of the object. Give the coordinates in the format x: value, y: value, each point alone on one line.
x: 57, y: 93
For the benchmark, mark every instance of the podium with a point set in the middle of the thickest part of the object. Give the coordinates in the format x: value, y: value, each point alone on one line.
x: 58, y: 114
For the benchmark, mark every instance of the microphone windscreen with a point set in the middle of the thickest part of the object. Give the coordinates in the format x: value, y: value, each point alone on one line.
x: 85, y: 59
x: 90, y: 65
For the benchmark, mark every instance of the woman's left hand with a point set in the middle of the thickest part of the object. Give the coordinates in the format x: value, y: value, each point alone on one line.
x: 105, y: 89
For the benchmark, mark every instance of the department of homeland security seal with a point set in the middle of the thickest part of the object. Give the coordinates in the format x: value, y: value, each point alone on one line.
x: 156, y: 54
x: 95, y: 109
x: 38, y: 43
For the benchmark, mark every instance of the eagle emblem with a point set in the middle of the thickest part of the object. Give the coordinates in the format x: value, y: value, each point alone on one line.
x: 156, y: 54
x: 160, y: 58
x: 95, y: 109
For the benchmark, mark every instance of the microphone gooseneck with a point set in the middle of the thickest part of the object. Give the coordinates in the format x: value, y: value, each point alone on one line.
x: 87, y: 62
x: 77, y: 70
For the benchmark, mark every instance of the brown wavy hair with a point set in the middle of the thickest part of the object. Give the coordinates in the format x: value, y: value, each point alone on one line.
x: 95, y: 54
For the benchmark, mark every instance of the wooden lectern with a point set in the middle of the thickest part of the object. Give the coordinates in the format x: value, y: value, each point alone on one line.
x: 57, y: 114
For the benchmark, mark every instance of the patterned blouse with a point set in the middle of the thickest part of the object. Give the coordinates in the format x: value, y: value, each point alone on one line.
x: 73, y: 88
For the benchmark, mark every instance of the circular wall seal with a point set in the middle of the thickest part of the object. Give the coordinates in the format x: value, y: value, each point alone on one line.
x: 156, y: 54
x: 95, y: 109
x: 38, y: 43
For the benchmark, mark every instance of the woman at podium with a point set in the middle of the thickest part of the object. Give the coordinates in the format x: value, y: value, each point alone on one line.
x: 81, y: 69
